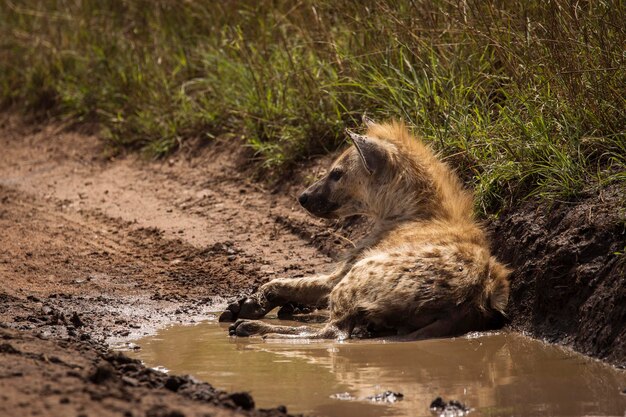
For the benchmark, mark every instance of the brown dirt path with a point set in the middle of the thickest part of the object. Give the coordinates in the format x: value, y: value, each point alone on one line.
x: 95, y: 250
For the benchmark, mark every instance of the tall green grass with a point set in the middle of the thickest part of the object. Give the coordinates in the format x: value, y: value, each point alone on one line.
x: 524, y: 98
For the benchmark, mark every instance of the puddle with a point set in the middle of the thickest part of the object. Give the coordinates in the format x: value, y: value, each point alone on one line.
x: 494, y: 374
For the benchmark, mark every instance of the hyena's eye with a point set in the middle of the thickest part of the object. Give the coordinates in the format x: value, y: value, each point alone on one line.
x: 335, y: 174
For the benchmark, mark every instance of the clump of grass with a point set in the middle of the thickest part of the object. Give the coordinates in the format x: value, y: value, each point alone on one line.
x: 525, y: 98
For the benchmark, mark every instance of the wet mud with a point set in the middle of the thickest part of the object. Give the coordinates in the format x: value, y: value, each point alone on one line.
x: 569, y: 279
x: 99, y: 250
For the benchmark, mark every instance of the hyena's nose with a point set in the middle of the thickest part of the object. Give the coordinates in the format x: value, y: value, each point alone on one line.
x: 303, y: 198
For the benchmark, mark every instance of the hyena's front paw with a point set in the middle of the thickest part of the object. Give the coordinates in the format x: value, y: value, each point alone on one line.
x: 245, y: 328
x: 246, y: 308
x: 290, y: 310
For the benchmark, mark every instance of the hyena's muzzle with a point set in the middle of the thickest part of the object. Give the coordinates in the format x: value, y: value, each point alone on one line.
x: 317, y: 200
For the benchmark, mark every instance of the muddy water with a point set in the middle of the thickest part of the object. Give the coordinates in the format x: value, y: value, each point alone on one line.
x: 495, y: 374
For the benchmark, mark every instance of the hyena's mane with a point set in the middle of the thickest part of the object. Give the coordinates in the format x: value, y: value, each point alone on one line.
x: 432, y: 184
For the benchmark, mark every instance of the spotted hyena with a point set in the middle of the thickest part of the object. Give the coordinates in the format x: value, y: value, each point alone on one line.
x: 425, y: 270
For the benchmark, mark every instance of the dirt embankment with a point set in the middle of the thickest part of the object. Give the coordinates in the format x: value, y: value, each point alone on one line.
x: 95, y: 251
x: 569, y: 280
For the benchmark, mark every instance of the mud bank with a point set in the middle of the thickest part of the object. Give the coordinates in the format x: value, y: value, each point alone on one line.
x: 51, y: 375
x: 569, y: 280
x: 96, y: 251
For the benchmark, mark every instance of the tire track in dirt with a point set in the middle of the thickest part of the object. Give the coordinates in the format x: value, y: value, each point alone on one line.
x: 201, y: 200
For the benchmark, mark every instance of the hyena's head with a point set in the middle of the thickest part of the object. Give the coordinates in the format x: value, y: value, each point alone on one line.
x: 360, y: 181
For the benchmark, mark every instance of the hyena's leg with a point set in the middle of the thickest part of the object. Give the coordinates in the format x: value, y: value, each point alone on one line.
x: 311, y: 291
x: 332, y: 330
x: 340, y: 326
x: 436, y: 329
x: 455, y: 323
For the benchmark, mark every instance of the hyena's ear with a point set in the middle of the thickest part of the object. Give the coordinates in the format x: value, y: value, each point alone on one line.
x: 372, y: 154
x: 367, y: 121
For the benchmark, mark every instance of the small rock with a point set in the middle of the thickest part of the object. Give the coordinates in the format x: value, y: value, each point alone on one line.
x: 131, y: 367
x: 173, y: 383
x: 448, y: 409
x: 76, y: 321
x: 242, y: 399
x: 119, y: 358
x: 130, y: 381
x: 102, y: 373
x: 386, y: 397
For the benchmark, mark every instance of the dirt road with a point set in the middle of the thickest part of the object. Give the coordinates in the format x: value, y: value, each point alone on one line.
x: 101, y: 250
x: 95, y: 251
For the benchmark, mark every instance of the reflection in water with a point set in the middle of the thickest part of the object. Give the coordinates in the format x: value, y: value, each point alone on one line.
x: 496, y: 374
